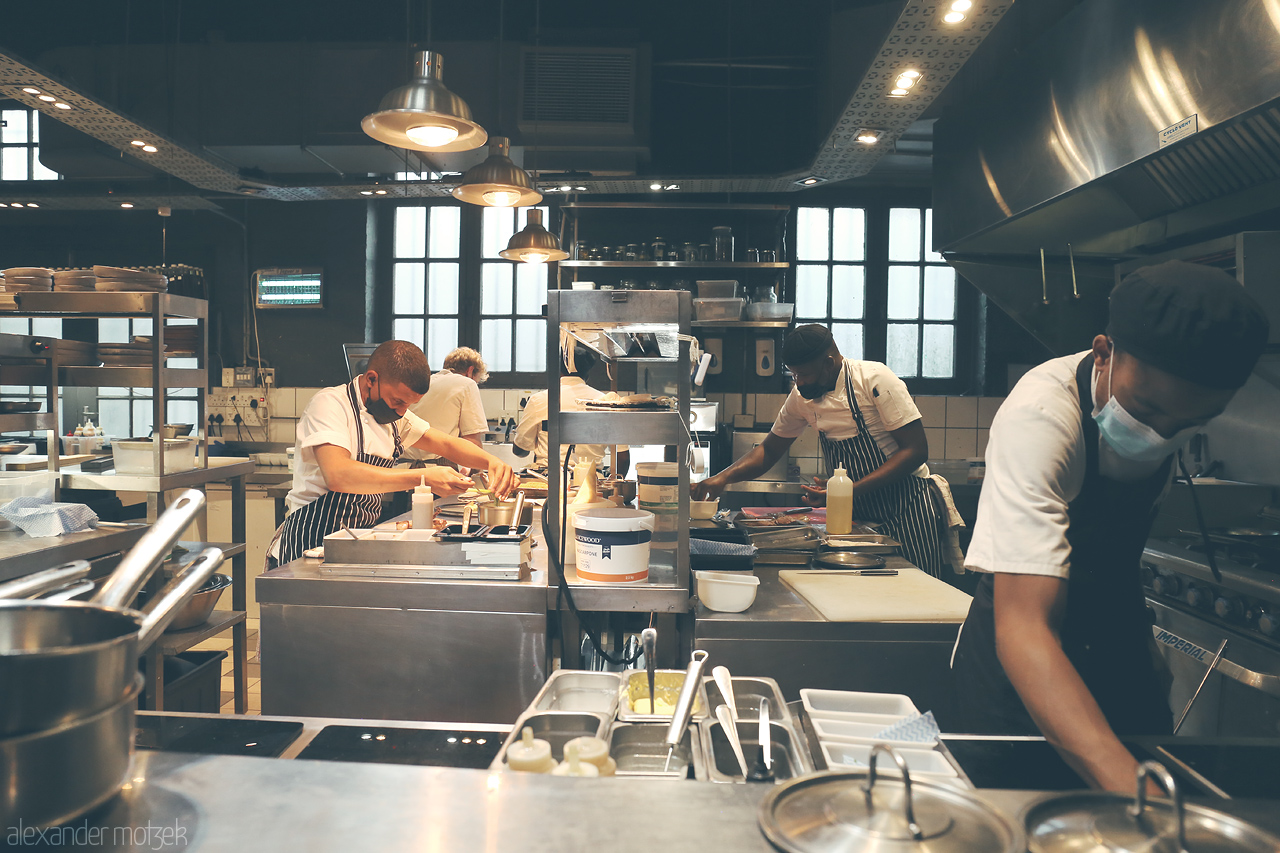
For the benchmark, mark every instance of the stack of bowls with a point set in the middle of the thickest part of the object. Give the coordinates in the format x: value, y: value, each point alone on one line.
x: 19, y: 279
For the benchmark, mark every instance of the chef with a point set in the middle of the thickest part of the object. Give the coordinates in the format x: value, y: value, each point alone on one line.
x: 348, y: 439
x: 868, y: 425
x: 452, y: 404
x: 1058, y: 639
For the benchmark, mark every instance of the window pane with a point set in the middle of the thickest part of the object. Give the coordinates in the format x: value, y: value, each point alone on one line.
x: 847, y: 292
x: 13, y: 164
x: 113, y: 416
x: 39, y: 171
x: 182, y: 411
x: 142, y: 327
x: 939, y: 351
x: 446, y: 225
x: 811, y: 291
x: 495, y: 344
x: 15, y: 126
x: 113, y: 392
x: 411, y: 232
x: 531, y: 345
x: 113, y: 330
x: 442, y: 289
x: 408, y: 329
x: 531, y: 288
x: 410, y: 289
x: 813, y: 232
x: 849, y: 234
x: 939, y: 293
x: 904, y: 234
x: 848, y: 337
x: 47, y: 326
x: 929, y: 253
x: 495, y: 289
x: 442, y: 336
x: 903, y: 349
x: 14, y: 326
x: 904, y: 293
x: 497, y: 226
x: 142, y: 417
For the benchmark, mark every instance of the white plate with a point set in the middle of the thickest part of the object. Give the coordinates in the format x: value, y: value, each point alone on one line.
x: 824, y: 703
x: 925, y: 763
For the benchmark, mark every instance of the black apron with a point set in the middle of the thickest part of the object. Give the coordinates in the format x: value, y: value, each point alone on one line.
x: 307, y: 526
x: 904, y: 509
x: 1106, y: 630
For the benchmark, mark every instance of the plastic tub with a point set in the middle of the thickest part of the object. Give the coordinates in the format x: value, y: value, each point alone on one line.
x: 703, y: 509
x: 612, y: 545
x: 770, y: 311
x: 719, y: 309
x: 136, y: 455
x: 920, y: 762
x: 659, y: 483
x: 849, y: 731
x: 727, y: 592
x: 720, y: 289
x: 825, y: 703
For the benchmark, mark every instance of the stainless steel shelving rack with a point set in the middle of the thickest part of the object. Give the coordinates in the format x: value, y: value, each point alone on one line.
x: 38, y: 355
x: 668, y: 589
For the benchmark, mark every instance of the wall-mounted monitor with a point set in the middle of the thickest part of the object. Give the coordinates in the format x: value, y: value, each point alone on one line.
x: 289, y: 288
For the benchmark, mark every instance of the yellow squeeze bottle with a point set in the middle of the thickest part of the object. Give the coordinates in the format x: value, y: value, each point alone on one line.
x: 839, y: 504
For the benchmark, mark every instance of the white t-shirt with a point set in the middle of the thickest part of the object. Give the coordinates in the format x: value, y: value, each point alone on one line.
x: 529, y: 435
x: 1035, y: 468
x: 328, y: 419
x: 882, y: 397
x: 452, y: 404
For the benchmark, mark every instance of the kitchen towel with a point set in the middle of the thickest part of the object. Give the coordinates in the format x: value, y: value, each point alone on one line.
x: 921, y: 728
x: 39, y: 516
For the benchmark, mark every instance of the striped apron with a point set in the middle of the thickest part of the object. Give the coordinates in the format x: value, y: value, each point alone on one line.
x: 904, y: 509
x: 307, y: 526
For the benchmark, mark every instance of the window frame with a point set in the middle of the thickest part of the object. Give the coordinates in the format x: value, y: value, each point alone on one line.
x: 31, y: 144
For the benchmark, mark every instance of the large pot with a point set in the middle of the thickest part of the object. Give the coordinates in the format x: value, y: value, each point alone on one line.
x: 502, y: 513
x: 53, y: 776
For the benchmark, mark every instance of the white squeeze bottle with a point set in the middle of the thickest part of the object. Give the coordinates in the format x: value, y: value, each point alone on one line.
x: 839, y: 504
x: 423, y: 506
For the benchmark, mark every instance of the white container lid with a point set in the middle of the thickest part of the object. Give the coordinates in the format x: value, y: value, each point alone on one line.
x: 658, y: 469
x: 614, y: 519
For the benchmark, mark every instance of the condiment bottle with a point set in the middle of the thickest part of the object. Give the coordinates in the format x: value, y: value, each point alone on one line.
x: 839, y: 504
x: 423, y: 506
x: 574, y: 766
x: 595, y: 751
x: 530, y: 754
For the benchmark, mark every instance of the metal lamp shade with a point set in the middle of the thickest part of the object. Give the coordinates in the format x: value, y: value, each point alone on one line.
x: 497, y: 182
x: 422, y: 108
x: 533, y: 244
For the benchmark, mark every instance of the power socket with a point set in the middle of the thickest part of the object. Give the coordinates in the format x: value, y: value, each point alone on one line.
x: 249, y: 403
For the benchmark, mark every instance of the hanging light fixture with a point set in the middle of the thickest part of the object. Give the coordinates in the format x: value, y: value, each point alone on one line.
x: 423, y: 114
x: 497, y: 182
x: 533, y: 244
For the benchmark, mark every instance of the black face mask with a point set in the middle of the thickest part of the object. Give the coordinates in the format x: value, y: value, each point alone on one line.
x: 379, y: 410
x: 815, y: 390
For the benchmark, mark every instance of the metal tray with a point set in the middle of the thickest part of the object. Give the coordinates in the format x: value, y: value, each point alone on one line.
x: 747, y: 693
x: 667, y: 682
x: 849, y: 560
x: 876, y: 543
x: 640, y: 750
x: 555, y: 727
x: 790, y: 752
x: 578, y: 690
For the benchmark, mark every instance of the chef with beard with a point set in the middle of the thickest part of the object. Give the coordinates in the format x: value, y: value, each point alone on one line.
x: 868, y: 425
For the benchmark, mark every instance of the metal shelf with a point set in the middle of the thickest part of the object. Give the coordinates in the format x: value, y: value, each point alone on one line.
x: 702, y: 265
x: 74, y: 478
x: 662, y: 593
x: 64, y: 304
x: 28, y: 421
x: 741, y: 324
x: 622, y: 427
x: 177, y: 642
x: 111, y: 377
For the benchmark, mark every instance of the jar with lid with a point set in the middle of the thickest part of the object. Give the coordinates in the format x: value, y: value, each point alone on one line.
x: 704, y: 252
x: 673, y: 254
x: 606, y: 253
x: 763, y: 293
x: 722, y: 242
x: 627, y: 284
x: 689, y: 252
x: 658, y: 249
x: 580, y: 251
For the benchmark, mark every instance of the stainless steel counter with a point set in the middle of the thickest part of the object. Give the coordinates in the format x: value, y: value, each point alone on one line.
x: 21, y: 554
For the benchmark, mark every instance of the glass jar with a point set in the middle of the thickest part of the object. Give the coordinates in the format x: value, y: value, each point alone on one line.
x: 704, y: 252
x: 606, y: 253
x: 763, y: 293
x: 722, y: 242
x: 673, y: 254
x: 689, y: 252
x: 632, y: 252
x: 753, y: 255
x: 580, y: 251
x: 658, y: 249
x: 627, y: 284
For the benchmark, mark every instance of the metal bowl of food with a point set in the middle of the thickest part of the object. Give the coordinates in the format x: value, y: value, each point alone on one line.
x: 198, y: 609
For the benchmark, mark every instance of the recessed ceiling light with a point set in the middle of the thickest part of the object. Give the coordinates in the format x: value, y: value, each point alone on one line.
x: 150, y: 149
x: 905, y: 82
x: 127, y: 205
x: 4, y: 204
x: 31, y: 90
x: 366, y: 192
x: 655, y: 186
x: 48, y: 98
x: 898, y: 93
x: 379, y: 192
x: 953, y: 17
x: 581, y: 189
x: 810, y: 181
x: 566, y: 188
x: 910, y: 72
x: 962, y: 5
x: 62, y: 106
x: 672, y: 187
x: 138, y: 142
x: 32, y: 204
x: 868, y: 138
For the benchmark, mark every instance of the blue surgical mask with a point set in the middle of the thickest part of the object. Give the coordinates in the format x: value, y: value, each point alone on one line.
x: 1134, y: 440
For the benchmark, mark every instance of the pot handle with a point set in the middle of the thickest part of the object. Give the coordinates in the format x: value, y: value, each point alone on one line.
x: 68, y: 592
x: 916, y: 832
x: 178, y: 592
x: 39, y: 582
x: 1164, y: 778
x: 143, y: 558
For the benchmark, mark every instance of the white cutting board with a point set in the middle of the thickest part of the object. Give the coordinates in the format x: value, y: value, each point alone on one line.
x: 909, y: 596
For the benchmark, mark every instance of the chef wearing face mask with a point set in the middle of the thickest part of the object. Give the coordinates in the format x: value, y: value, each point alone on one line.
x: 348, y: 440
x: 868, y: 425
x: 1058, y: 639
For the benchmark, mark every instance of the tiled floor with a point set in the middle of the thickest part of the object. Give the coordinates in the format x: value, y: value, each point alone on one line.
x: 223, y: 643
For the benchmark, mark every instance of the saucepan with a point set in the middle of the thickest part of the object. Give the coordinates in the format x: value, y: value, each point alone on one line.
x: 68, y: 660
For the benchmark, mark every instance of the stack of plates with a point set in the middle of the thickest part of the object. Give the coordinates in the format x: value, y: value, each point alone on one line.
x: 180, y: 339
x: 19, y: 279
x: 74, y: 280
x: 133, y: 281
x: 135, y: 354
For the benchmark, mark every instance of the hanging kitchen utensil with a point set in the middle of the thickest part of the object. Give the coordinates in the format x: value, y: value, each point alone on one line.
x: 649, y: 645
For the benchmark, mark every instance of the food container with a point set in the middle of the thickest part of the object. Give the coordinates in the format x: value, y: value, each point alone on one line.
x: 747, y: 693
x: 579, y: 690
x: 788, y: 750
x: 136, y: 456
x: 703, y: 509
x: 641, y: 750
x: 667, y: 683
x: 556, y: 728
x: 719, y: 310
x: 850, y: 731
x: 499, y: 513
x: 717, y: 289
x: 770, y: 311
x: 921, y: 762
x: 727, y: 592
x: 612, y: 545
x: 835, y: 703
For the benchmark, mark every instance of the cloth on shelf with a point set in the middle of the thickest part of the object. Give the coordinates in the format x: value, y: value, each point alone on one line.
x: 40, y: 516
x: 922, y: 728
x: 950, y: 520
x: 723, y: 549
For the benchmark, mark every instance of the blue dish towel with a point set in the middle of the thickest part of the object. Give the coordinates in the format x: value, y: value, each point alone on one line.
x: 720, y: 549
x: 39, y: 516
x: 921, y: 728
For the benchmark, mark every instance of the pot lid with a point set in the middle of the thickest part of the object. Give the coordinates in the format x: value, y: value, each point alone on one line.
x: 837, y: 811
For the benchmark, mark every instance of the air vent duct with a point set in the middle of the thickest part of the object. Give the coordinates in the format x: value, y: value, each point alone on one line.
x: 578, y: 90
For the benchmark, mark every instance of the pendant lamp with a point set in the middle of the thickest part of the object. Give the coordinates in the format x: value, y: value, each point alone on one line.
x: 497, y: 182
x: 424, y: 115
x: 533, y: 244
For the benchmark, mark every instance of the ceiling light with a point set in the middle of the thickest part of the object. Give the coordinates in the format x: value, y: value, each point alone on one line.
x: 898, y: 93
x: 566, y: 188
x: 672, y: 187
x: 497, y: 182
x: 905, y: 82
x: 953, y: 17
x: 62, y: 106
x: 423, y: 114
x: 32, y: 204
x: 810, y: 180
x: 379, y: 192
x: 31, y: 90
x: 962, y: 5
x: 868, y: 137
x: 655, y: 186
x: 4, y: 204
x: 127, y: 205
x: 138, y: 142
x: 581, y: 189
x: 533, y: 244
x: 366, y: 192
x: 48, y: 98
x: 910, y: 72
x: 150, y: 149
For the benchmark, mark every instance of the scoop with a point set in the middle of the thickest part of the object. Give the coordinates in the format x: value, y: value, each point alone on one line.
x: 725, y: 682
x: 762, y: 770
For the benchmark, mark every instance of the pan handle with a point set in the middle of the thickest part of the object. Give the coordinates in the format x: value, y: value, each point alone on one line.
x: 69, y: 591
x: 177, y: 593
x: 39, y: 582
x: 143, y: 559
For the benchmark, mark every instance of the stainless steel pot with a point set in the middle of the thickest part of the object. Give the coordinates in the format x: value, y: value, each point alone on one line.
x: 502, y: 513
x: 200, y: 607
x: 29, y: 586
x: 53, y: 776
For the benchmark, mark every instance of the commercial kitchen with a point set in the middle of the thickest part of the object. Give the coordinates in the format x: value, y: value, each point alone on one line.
x: 400, y: 401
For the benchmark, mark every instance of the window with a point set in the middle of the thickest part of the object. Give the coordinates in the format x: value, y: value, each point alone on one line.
x: 512, y: 328
x: 20, y: 147
x: 49, y: 327
x: 831, y: 280
x: 920, y: 337
x: 425, y: 281
x: 128, y: 412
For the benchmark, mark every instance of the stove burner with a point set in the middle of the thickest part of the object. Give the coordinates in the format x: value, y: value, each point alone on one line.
x: 262, y: 738
x: 389, y: 745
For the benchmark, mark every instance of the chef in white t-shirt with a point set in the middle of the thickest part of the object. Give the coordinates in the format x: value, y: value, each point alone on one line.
x: 868, y: 425
x: 452, y: 404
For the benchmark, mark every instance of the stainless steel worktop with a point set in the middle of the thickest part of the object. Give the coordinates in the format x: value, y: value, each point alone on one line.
x: 21, y: 554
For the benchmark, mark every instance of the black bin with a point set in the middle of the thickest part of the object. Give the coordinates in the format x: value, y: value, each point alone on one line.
x: 192, y: 682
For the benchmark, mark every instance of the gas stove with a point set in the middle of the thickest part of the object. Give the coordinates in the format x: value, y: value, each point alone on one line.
x: 1175, y: 570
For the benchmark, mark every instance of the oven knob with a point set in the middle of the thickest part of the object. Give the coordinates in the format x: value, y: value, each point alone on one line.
x: 1148, y: 575
x: 1228, y: 607
x: 1268, y: 623
x: 1196, y: 597
x: 38, y: 347
x: 1167, y: 584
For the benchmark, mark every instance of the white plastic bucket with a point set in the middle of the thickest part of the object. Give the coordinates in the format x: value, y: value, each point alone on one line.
x: 612, y: 545
x: 658, y: 484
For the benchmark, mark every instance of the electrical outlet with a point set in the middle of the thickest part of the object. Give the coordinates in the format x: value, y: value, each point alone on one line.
x: 248, y: 377
x: 249, y: 403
